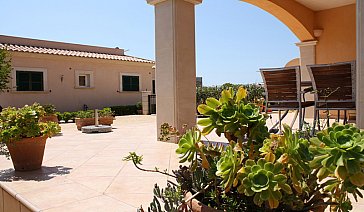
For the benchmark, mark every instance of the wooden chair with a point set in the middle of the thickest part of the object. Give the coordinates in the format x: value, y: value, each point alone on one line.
x: 334, y: 88
x: 283, y: 92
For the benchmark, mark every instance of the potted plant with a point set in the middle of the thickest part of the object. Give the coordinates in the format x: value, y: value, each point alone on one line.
x: 25, y: 136
x: 139, y: 107
x: 84, y: 118
x: 50, y: 113
x: 106, y: 116
x: 87, y: 118
x: 255, y: 171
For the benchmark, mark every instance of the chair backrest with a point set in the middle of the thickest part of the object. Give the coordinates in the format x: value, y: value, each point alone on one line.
x: 333, y: 82
x: 282, y: 84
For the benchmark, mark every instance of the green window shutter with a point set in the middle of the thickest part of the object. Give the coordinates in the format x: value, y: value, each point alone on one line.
x: 37, y: 81
x: 22, y: 81
x: 130, y: 83
x: 29, y: 81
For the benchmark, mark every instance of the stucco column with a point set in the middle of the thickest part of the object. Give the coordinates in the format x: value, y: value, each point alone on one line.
x: 145, y: 102
x: 175, y: 62
x: 360, y: 64
x: 307, y: 57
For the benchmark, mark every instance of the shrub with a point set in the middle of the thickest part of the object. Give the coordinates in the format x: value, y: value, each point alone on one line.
x: 69, y: 116
x: 5, y: 68
x: 85, y: 114
x: 49, y: 109
x: 255, y: 92
x: 139, y: 105
x: 105, y: 112
x: 124, y: 110
x: 91, y: 113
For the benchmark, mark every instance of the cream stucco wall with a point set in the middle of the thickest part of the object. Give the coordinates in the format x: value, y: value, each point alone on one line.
x: 64, y: 94
x: 338, y: 40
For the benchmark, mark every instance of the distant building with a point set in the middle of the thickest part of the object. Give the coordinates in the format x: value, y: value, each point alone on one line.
x: 72, y: 75
x: 198, y: 82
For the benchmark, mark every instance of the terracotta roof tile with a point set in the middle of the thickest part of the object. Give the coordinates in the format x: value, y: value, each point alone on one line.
x: 65, y: 52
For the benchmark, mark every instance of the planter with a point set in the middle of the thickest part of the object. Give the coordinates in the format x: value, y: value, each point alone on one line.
x: 91, y: 121
x: 84, y: 122
x: 197, y: 206
x: 27, y: 153
x: 108, y: 120
x: 49, y: 118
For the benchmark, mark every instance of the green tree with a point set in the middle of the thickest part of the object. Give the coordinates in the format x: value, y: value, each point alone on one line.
x: 5, y: 69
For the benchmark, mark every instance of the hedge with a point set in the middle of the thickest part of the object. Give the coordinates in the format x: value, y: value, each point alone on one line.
x: 124, y: 110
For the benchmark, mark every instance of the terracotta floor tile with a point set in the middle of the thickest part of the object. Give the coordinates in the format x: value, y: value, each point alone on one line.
x: 96, y: 204
x: 139, y: 185
x: 99, y: 184
x: 58, y: 195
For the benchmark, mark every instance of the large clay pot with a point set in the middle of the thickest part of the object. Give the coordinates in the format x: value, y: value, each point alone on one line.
x: 107, y: 120
x: 84, y: 122
x: 27, y: 153
x: 197, y: 206
x: 91, y: 121
x: 49, y: 118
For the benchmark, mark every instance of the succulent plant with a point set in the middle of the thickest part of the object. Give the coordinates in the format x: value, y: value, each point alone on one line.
x: 190, y: 146
x: 339, y: 151
x: 234, y: 116
x: 228, y: 166
x: 264, y: 181
x: 293, y: 152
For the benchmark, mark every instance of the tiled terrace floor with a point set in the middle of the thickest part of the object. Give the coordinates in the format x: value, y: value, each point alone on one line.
x: 85, y: 172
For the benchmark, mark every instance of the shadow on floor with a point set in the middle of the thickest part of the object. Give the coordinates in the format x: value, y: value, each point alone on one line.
x: 43, y: 174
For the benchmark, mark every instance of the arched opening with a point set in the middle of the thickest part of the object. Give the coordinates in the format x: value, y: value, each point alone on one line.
x: 298, y: 18
x: 242, y: 39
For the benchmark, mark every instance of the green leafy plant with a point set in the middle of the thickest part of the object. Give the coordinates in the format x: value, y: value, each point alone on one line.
x: 170, y: 197
x: 167, y: 131
x: 5, y: 68
x: 190, y: 146
x: 85, y: 114
x: 264, y: 181
x: 139, y: 106
x: 339, y: 151
x: 105, y: 112
x: 293, y: 152
x: 228, y: 166
x: 255, y: 92
x: 124, y: 110
x: 16, y: 124
x: 49, y: 109
x: 234, y: 116
x: 66, y: 116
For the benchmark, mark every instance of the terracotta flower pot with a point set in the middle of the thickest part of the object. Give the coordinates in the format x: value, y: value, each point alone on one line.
x: 197, y: 206
x: 107, y: 120
x: 49, y: 118
x: 27, y: 153
x: 91, y: 121
x: 84, y: 122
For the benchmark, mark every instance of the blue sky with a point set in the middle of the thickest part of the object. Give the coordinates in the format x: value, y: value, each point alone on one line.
x: 233, y: 39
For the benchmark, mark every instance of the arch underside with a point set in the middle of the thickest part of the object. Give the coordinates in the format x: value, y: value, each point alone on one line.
x: 298, y: 18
